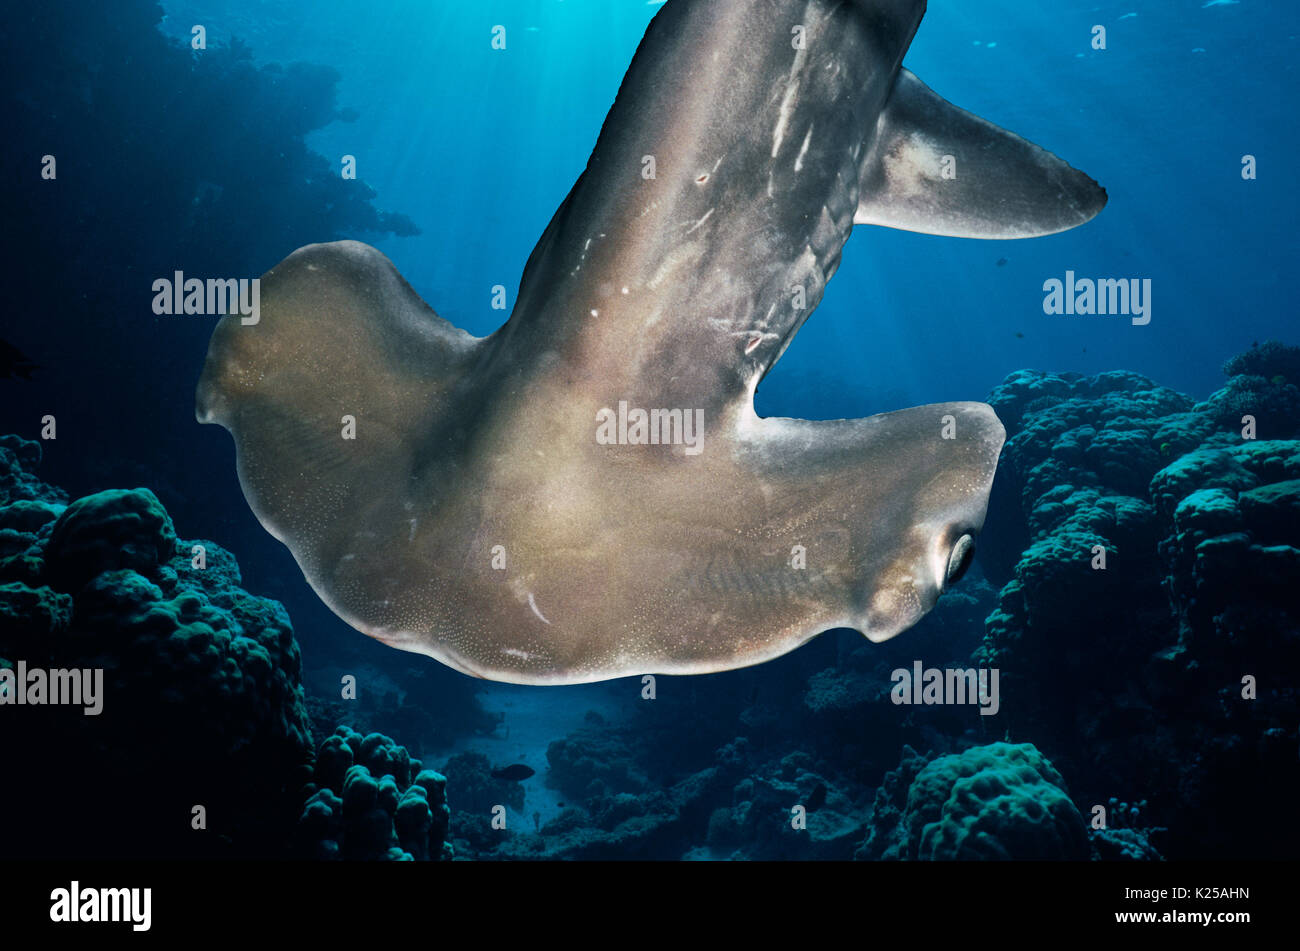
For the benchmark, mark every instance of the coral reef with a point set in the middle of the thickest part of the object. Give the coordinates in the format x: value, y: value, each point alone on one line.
x: 1145, y: 632
x: 1134, y: 672
x: 196, y: 666
x: 477, y: 794
x: 369, y: 800
x: 885, y: 839
x: 759, y: 825
x: 1122, y: 837
x: 1264, y: 384
x: 1122, y: 845
x: 1271, y: 359
x: 191, y: 664
x: 655, y: 824
x: 593, y: 761
x: 1000, y: 801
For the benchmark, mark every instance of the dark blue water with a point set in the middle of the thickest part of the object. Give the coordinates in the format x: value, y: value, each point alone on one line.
x: 477, y: 147
x: 480, y: 146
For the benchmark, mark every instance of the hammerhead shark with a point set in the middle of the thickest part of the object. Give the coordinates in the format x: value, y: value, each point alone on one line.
x: 588, y: 493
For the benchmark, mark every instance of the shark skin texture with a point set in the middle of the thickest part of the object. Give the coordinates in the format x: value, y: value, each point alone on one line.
x: 505, y: 507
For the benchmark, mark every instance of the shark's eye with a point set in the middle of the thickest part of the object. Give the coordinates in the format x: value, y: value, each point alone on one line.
x: 960, y: 559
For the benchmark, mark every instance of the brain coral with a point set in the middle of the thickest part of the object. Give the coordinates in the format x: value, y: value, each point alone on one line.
x: 1000, y: 801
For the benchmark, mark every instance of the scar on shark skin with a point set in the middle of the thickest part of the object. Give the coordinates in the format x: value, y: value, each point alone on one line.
x: 674, y: 292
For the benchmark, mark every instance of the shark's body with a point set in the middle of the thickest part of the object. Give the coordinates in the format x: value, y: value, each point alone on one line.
x: 478, y: 518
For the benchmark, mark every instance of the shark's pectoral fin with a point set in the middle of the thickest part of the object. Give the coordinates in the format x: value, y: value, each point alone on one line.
x: 937, y: 169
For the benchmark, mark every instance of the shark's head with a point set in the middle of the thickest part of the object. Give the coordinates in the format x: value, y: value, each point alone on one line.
x: 924, y: 549
x: 453, y: 496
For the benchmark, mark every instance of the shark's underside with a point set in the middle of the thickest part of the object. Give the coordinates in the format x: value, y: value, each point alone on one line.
x: 496, y: 509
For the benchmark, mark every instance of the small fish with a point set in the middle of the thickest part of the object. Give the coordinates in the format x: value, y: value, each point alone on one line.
x: 14, y: 363
x: 817, y: 799
x: 516, y: 773
x: 1002, y: 262
x: 1019, y: 335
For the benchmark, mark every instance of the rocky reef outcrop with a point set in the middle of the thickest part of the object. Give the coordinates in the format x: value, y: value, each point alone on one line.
x: 190, y: 717
x: 1134, y: 592
x: 1146, y: 632
x: 201, y: 739
x: 995, y: 802
x: 370, y: 800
